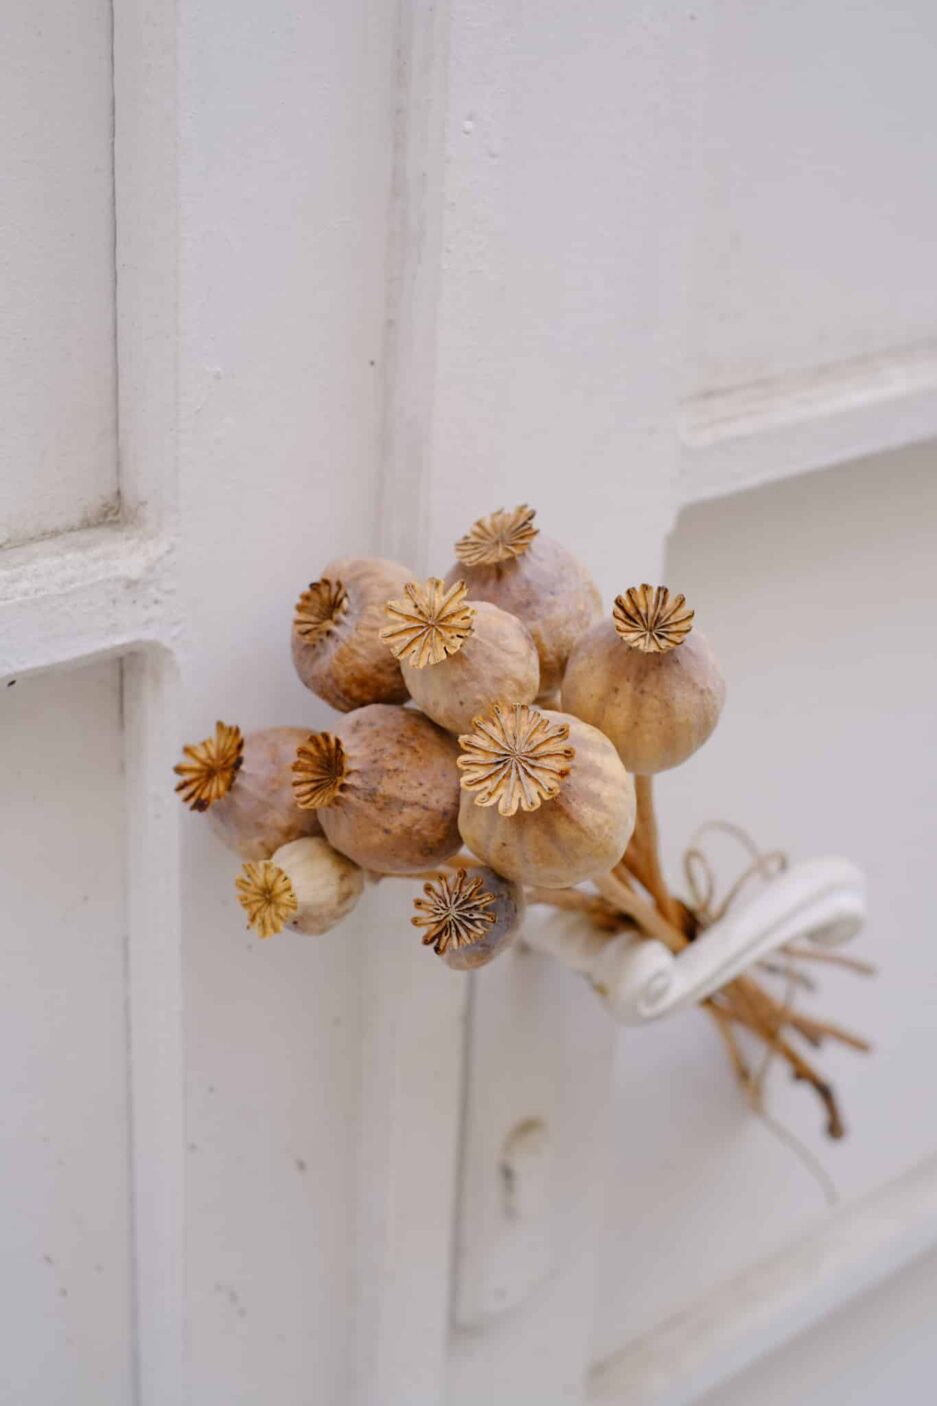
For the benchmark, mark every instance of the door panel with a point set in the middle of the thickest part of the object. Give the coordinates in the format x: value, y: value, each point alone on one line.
x: 58, y: 451
x: 814, y: 234
x: 816, y: 595
x: 68, y: 1323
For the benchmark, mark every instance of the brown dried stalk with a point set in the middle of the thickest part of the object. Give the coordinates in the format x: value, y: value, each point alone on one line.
x: 835, y: 959
x: 647, y: 917
x: 606, y: 916
x: 645, y: 852
x: 835, y: 1127
x: 748, y: 1084
x: 816, y: 1031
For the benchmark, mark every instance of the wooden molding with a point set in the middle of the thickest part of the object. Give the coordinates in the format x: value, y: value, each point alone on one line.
x: 771, y: 1303
x: 756, y: 433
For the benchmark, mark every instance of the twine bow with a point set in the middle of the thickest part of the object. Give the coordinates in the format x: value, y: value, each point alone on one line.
x: 701, y: 878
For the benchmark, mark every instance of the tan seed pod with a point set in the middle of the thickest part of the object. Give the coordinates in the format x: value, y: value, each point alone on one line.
x: 307, y: 886
x: 504, y: 559
x: 385, y: 787
x: 469, y: 918
x: 244, y: 784
x: 459, y: 657
x: 336, y: 641
x: 545, y: 798
x: 648, y: 679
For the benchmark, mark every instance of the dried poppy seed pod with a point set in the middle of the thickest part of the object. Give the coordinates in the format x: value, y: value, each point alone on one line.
x: 650, y: 684
x: 245, y: 785
x: 505, y: 560
x: 459, y: 657
x: 545, y: 798
x: 307, y: 886
x: 337, y: 648
x: 385, y: 788
x: 468, y: 919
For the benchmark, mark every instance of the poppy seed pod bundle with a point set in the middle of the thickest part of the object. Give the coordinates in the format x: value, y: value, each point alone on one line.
x: 244, y: 784
x: 307, y: 886
x: 546, y: 800
x: 504, y: 559
x: 648, y: 680
x: 545, y: 797
x: 469, y: 919
x: 385, y: 787
x: 457, y: 656
x: 336, y: 641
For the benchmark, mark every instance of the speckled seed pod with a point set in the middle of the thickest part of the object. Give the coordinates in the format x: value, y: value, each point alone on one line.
x: 245, y: 786
x: 545, y: 798
x: 337, y: 647
x: 307, y: 886
x: 650, y: 684
x: 385, y: 787
x: 459, y: 657
x: 505, y: 560
x: 468, y: 918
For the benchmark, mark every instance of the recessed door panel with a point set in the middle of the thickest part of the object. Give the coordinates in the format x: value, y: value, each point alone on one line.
x: 816, y: 594
x: 65, y: 1212
x: 814, y: 239
x: 58, y: 452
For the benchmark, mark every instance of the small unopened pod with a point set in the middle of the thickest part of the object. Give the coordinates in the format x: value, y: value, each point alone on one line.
x: 307, y: 886
x: 458, y: 656
x: 504, y: 559
x: 648, y: 679
x: 385, y: 788
x: 337, y: 648
x: 244, y: 784
x: 469, y: 918
x: 545, y: 798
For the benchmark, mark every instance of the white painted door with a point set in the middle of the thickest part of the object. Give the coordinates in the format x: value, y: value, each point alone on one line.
x: 685, y: 307
x: 285, y: 281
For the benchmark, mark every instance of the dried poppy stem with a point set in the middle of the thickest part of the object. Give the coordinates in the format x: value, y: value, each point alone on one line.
x: 816, y: 1031
x: 605, y: 915
x: 837, y: 959
x: 789, y: 973
x: 741, y: 1010
x: 414, y: 874
x: 776, y: 1016
x: 645, y: 914
x: 772, y: 1012
x: 647, y: 846
x: 723, y: 1022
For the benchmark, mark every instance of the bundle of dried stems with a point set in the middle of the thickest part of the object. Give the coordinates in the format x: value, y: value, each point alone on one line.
x: 539, y: 725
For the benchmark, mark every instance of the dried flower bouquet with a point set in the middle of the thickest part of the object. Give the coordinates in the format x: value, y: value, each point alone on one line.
x: 522, y: 775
